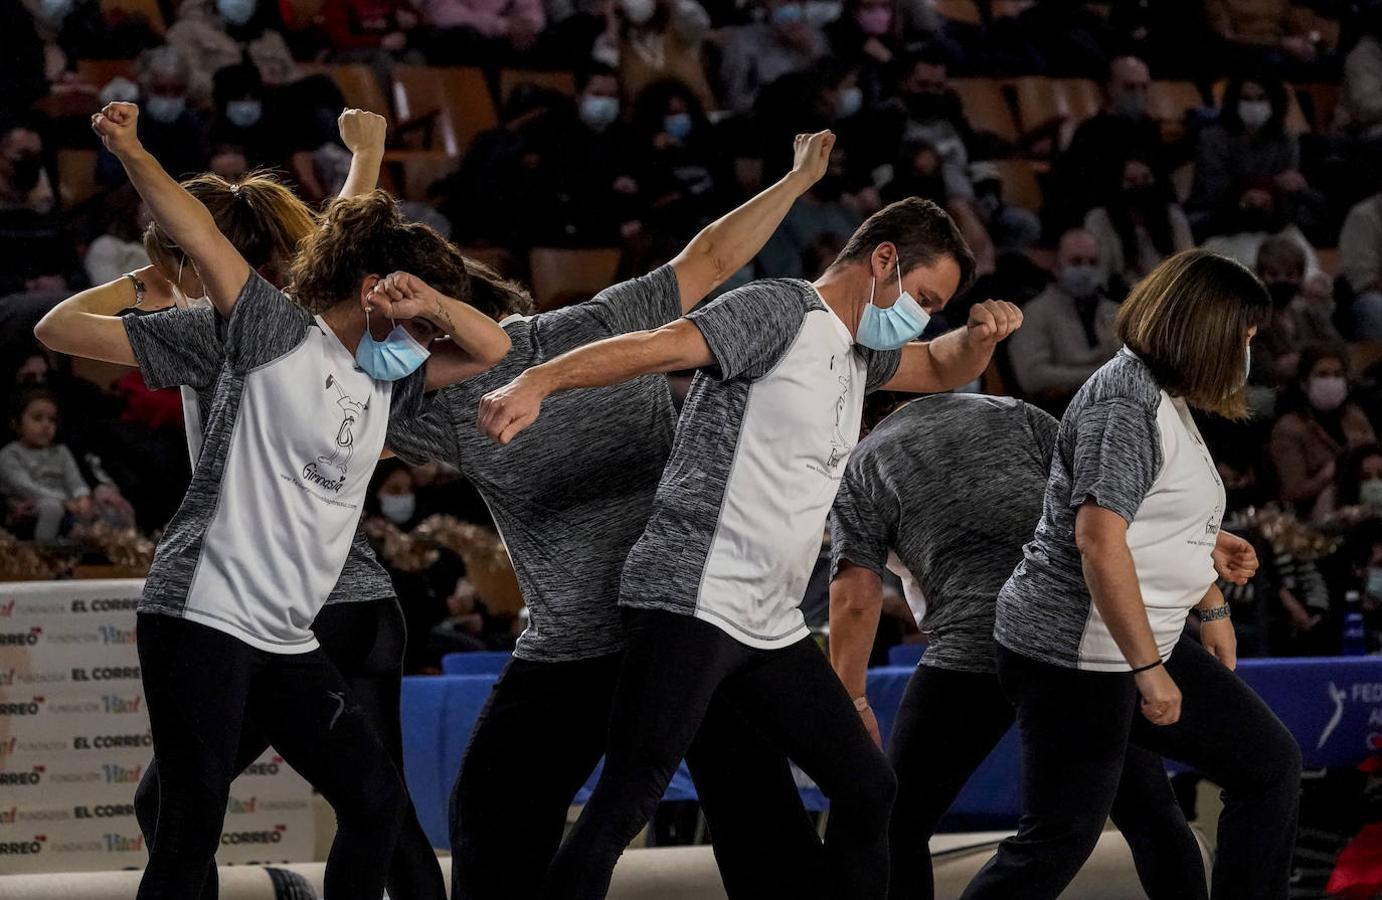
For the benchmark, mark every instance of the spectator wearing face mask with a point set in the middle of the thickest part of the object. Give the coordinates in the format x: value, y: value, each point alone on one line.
x: 651, y: 40
x: 241, y: 123
x: 676, y: 162
x: 479, y: 32
x: 868, y: 36
x: 1009, y: 227
x: 1300, y: 316
x: 1363, y: 549
x: 1360, y: 262
x: 1254, y: 213
x: 1120, y: 129
x: 1139, y: 224
x: 169, y: 125
x: 756, y: 55
x: 213, y: 34
x: 1068, y: 330
x: 1357, y: 487
x: 1321, y: 425
x: 602, y: 188
x: 1250, y: 141
x: 24, y: 181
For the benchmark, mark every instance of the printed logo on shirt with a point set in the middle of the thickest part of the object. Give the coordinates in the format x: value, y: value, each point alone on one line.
x: 839, y: 443
x: 350, y: 411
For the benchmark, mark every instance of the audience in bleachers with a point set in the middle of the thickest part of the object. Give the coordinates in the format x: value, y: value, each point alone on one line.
x: 1053, y: 132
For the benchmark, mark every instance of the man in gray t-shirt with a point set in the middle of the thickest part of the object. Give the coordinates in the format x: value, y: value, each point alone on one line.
x: 919, y: 497
x: 570, y: 497
x: 713, y: 587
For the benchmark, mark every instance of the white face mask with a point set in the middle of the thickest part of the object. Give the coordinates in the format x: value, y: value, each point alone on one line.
x: 397, y: 508
x: 1327, y: 392
x: 639, y: 12
x: 1254, y: 113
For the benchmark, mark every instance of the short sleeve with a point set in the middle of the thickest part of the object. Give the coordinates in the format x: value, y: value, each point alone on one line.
x: 1117, y: 456
x: 860, y: 531
x: 428, y: 437
x: 409, y: 399
x: 882, y: 366
x: 639, y: 304
x: 176, y: 346
x: 264, y: 325
x: 750, y: 329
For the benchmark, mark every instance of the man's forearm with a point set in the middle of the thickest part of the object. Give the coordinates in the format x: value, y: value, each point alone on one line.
x: 615, y: 360
x: 187, y: 221
x: 854, y: 614
x: 732, y: 241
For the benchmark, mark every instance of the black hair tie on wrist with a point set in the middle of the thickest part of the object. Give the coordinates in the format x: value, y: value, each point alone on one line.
x: 1152, y: 665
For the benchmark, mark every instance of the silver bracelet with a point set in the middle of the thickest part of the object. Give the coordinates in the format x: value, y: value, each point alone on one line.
x: 1213, y: 614
x: 139, y: 288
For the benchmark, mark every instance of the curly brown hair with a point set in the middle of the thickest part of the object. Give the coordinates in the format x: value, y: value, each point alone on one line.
x: 258, y: 214
x: 367, y: 235
x: 495, y: 295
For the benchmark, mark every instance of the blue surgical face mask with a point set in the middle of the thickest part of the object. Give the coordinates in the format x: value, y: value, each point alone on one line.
x: 165, y: 109
x: 236, y: 12
x: 1370, y: 495
x: 599, y: 112
x: 849, y: 102
x: 891, y: 328
x: 787, y: 15
x: 398, y: 508
x: 244, y: 113
x: 55, y: 11
x: 678, y: 125
x: 397, y: 356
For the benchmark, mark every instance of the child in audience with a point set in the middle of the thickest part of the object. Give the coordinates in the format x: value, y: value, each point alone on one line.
x: 40, y: 477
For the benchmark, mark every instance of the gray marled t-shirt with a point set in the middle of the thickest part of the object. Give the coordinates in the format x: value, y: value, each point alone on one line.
x: 293, y: 432
x: 184, y: 347
x: 760, y: 448
x: 953, y: 485
x: 1127, y: 446
x: 572, y: 492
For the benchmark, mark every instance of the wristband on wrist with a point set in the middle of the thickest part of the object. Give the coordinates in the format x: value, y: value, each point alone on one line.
x: 139, y: 289
x: 1147, y: 667
x: 861, y: 703
x: 1214, y: 613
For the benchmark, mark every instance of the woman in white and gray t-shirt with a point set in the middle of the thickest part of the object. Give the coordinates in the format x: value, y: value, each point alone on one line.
x: 1089, y: 625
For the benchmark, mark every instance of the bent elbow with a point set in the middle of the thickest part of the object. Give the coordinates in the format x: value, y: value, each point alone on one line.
x: 48, y: 332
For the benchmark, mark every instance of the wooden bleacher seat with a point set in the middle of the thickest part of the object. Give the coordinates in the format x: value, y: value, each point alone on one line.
x: 148, y: 9
x: 966, y: 11
x: 561, y: 82
x: 456, y: 100
x: 1003, y: 8
x: 1044, y: 102
x: 358, y: 84
x: 100, y: 72
x: 558, y: 274
x: 986, y: 106
x: 414, y: 171
x: 1020, y: 185
x: 76, y: 177
x: 1169, y: 101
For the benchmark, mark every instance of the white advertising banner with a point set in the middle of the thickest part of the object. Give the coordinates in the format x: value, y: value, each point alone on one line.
x: 74, y: 742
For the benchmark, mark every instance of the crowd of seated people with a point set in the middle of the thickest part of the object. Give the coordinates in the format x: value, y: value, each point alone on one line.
x: 1076, y: 145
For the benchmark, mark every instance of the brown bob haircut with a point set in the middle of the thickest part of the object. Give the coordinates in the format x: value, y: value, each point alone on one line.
x: 922, y: 232
x: 1188, y: 320
x: 258, y: 215
x: 367, y: 235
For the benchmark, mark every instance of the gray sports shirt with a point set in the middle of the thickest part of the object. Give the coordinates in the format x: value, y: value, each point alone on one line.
x: 953, y: 484
x: 571, y: 493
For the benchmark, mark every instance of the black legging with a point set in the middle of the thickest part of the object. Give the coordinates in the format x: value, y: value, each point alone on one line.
x: 672, y: 668
x: 1076, y: 727
x: 509, y: 805
x: 950, y: 721
x: 365, y: 642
